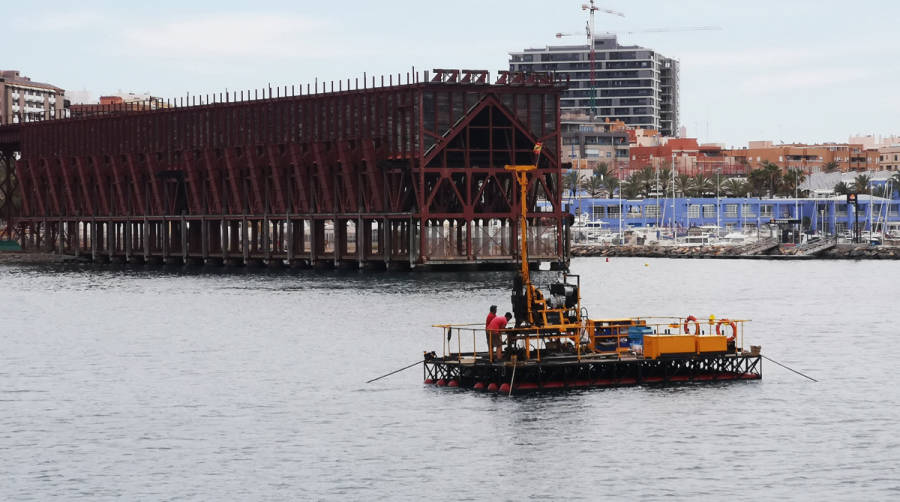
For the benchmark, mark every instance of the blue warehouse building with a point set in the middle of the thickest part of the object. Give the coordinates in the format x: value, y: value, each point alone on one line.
x: 827, y: 215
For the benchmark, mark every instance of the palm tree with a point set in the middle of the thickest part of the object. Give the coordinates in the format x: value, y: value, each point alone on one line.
x: 758, y: 180
x: 773, y: 175
x: 647, y: 181
x: 735, y: 187
x: 570, y: 181
x: 830, y: 167
x: 631, y: 188
x: 611, y: 183
x: 683, y: 184
x: 701, y: 185
x: 593, y: 185
x: 841, y: 189
x: 601, y: 170
x: 665, y: 179
x: 861, y: 183
x: 792, y: 179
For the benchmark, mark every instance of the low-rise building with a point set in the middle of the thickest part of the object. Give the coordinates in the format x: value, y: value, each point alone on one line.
x: 808, y: 158
x: 889, y: 158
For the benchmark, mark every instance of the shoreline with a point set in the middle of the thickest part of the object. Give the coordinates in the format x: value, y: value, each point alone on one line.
x: 837, y: 252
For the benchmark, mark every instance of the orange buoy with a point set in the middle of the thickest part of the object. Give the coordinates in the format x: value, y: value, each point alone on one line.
x: 727, y: 323
x: 479, y: 386
x: 504, y: 389
x: 441, y: 382
x: 429, y: 381
x: 688, y: 321
x: 492, y: 387
x: 453, y: 383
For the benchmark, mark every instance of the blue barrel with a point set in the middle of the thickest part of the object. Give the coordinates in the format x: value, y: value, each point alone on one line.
x: 636, y: 334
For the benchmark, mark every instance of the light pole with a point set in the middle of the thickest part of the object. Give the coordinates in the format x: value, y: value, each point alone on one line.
x: 619, y: 171
x: 718, y: 203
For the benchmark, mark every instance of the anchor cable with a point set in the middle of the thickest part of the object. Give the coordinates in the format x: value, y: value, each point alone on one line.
x: 791, y: 369
x: 396, y: 371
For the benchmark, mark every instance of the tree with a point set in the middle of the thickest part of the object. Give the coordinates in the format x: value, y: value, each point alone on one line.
x: 735, y: 187
x: 792, y: 179
x: 701, y: 185
x: 601, y: 170
x: 665, y: 179
x: 830, y: 167
x: 570, y: 181
x: 861, y: 183
x: 683, y: 184
x: 593, y: 185
x: 773, y: 175
x: 841, y: 189
x: 647, y: 179
x: 611, y: 183
x: 631, y: 188
x: 758, y: 181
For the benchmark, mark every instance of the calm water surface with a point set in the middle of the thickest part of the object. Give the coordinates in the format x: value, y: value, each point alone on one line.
x: 171, y: 384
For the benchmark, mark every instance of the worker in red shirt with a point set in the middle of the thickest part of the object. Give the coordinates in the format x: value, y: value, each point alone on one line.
x: 494, y: 335
x: 491, y: 315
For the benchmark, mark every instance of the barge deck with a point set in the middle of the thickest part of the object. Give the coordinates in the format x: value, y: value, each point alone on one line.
x: 472, y: 371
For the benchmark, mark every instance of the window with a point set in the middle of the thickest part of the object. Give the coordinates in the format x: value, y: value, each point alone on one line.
x: 766, y: 210
x: 598, y: 212
x: 840, y: 210
x: 694, y: 211
x: 709, y: 211
x: 613, y: 211
x: 731, y: 210
x: 651, y: 211
x: 747, y: 211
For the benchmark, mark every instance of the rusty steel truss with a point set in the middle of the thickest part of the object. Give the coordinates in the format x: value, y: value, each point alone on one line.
x: 380, y: 175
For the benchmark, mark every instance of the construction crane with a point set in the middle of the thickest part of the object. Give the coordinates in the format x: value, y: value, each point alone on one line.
x: 591, y: 8
x: 654, y: 30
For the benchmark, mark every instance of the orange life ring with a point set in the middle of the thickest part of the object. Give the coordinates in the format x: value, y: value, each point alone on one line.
x: 729, y: 323
x: 687, y: 322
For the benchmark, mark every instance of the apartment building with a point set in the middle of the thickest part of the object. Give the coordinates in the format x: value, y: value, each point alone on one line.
x: 809, y: 158
x: 23, y: 100
x: 889, y: 158
x: 633, y: 84
x: 587, y: 142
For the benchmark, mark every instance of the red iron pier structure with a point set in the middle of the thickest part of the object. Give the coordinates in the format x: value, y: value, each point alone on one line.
x: 388, y: 175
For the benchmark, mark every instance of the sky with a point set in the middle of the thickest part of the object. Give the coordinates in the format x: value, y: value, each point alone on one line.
x: 785, y: 71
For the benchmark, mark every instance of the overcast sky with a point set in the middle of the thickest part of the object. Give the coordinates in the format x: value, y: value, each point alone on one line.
x: 790, y: 70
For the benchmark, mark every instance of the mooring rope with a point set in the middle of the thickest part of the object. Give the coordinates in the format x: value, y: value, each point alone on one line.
x: 513, y: 379
x: 791, y: 369
x: 395, y: 371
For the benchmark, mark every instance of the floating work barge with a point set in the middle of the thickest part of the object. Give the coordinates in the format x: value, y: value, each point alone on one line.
x: 554, y: 344
x: 466, y: 371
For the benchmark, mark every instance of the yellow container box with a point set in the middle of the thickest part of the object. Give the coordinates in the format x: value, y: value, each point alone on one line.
x: 711, y: 343
x: 660, y: 345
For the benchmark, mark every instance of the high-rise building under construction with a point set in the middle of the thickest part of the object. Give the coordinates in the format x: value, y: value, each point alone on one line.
x: 633, y: 84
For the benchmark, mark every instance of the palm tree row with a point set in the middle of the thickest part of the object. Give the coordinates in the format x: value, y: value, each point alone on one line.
x: 649, y: 181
